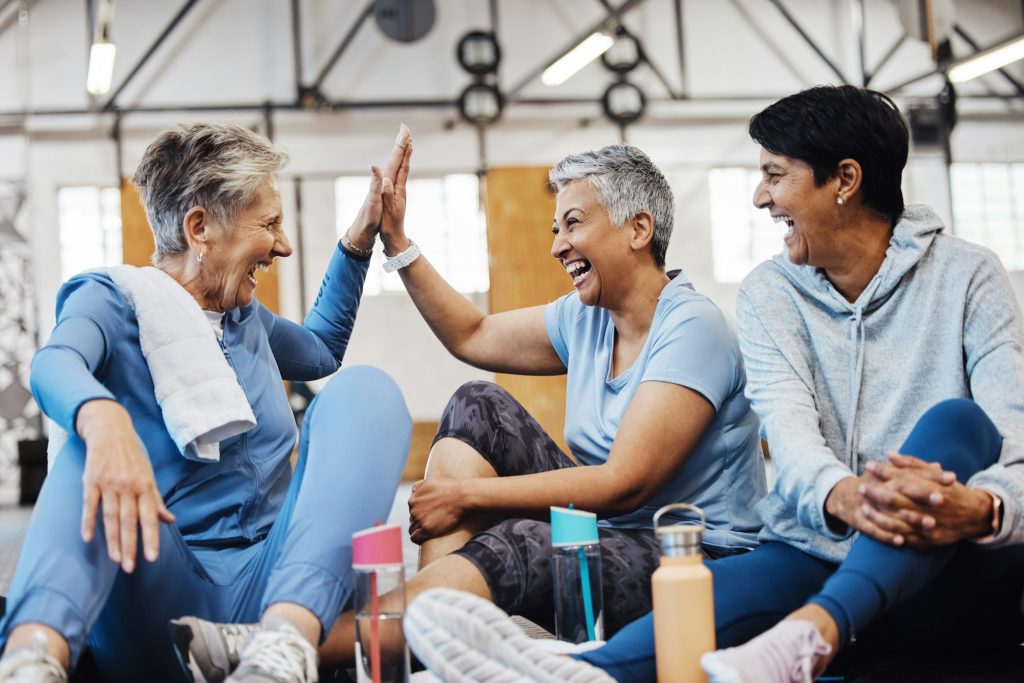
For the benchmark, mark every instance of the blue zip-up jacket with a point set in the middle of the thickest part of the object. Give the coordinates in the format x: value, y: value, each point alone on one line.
x: 94, y: 353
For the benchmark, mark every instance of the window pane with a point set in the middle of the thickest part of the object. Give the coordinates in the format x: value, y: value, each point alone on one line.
x: 741, y: 234
x: 447, y: 221
x: 988, y: 208
x: 90, y: 228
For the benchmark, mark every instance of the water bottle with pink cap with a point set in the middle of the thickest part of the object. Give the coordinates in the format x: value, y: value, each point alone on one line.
x: 379, y: 577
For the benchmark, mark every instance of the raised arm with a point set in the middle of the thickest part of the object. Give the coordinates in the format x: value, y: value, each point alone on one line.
x: 316, y: 348
x: 513, y: 341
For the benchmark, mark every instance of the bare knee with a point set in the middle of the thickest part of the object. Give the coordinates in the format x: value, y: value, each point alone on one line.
x: 455, y: 459
x: 450, y: 571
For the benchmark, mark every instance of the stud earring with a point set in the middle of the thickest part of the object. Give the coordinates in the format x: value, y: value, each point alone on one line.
x: 199, y: 258
x: 839, y: 199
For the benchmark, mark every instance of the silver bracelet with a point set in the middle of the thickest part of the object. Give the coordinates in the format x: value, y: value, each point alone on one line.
x: 402, y: 260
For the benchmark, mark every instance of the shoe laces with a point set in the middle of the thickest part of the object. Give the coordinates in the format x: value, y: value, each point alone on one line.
x: 32, y: 664
x: 280, y: 653
x: 810, y: 648
x: 235, y: 637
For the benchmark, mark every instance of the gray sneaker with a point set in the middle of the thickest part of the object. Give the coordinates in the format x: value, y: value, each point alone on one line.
x: 31, y: 664
x: 209, y: 651
x: 276, y: 653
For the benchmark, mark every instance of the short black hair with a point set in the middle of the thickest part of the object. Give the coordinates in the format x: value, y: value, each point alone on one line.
x: 823, y: 125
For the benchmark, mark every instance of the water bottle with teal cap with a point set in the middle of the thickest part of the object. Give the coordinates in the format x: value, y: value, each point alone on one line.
x: 576, y: 569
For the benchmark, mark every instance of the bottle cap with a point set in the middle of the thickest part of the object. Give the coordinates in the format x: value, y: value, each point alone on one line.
x: 378, y: 546
x: 679, y: 539
x: 572, y: 527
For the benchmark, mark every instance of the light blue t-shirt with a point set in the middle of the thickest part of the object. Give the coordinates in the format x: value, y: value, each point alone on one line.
x: 691, y: 344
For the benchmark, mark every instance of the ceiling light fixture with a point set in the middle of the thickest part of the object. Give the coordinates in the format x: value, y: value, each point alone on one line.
x: 101, y: 54
x: 566, y: 66
x: 481, y: 104
x: 624, y: 55
x: 623, y: 102
x: 478, y: 53
x: 989, y: 59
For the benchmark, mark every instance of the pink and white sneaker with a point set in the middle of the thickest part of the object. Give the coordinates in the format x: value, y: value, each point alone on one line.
x: 789, y: 652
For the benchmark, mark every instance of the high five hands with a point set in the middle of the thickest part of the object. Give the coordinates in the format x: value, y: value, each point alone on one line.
x: 385, y: 201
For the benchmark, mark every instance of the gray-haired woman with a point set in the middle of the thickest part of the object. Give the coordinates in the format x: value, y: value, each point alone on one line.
x: 655, y: 411
x: 133, y: 364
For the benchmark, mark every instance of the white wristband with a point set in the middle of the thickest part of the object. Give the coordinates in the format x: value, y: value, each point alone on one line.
x: 402, y: 260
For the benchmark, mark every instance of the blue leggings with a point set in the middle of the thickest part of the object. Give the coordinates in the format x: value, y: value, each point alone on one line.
x: 960, y: 594
x: 352, y: 449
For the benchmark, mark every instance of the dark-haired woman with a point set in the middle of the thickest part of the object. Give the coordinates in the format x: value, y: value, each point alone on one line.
x: 872, y: 331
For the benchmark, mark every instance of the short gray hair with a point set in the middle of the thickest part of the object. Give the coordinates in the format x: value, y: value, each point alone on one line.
x: 217, y: 166
x: 627, y: 182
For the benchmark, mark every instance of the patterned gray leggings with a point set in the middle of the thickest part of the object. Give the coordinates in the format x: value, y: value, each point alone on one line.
x: 514, y: 555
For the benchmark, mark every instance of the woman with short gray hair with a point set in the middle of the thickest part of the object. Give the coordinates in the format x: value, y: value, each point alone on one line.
x: 169, y: 382
x: 655, y: 411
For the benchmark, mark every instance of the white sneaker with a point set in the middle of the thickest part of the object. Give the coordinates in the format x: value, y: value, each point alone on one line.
x: 31, y: 664
x: 276, y: 653
x: 465, y: 639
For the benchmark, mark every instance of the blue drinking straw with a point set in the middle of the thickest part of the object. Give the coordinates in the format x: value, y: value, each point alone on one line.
x: 588, y: 603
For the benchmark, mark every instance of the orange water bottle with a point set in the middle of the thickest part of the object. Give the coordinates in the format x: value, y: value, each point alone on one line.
x: 684, y: 611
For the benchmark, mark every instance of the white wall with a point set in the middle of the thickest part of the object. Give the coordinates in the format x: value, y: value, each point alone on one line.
x: 238, y: 50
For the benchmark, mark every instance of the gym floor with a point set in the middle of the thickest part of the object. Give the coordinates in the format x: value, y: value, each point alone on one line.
x: 859, y: 667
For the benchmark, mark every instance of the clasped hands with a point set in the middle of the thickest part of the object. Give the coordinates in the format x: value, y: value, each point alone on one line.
x: 907, y: 501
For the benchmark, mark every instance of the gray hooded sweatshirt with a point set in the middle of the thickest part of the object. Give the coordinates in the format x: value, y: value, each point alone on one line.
x: 837, y: 384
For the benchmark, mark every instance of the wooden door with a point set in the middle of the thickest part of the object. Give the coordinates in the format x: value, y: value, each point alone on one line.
x: 520, y: 208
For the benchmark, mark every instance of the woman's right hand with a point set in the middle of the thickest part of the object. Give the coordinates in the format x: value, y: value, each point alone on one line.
x: 847, y: 504
x: 396, y: 177
x: 119, y: 476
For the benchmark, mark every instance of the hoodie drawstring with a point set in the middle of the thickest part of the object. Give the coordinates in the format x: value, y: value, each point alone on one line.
x: 858, y: 337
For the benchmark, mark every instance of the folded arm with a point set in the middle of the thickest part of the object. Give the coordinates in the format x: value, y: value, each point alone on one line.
x: 663, y: 425
x: 930, y: 507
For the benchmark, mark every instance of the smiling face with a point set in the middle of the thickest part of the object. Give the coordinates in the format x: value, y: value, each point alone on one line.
x: 587, y: 244
x: 788, y: 192
x: 234, y: 253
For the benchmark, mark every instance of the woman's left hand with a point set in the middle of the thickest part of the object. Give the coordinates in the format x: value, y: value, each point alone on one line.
x: 363, y: 231
x: 367, y: 223
x: 434, y: 508
x: 923, y: 503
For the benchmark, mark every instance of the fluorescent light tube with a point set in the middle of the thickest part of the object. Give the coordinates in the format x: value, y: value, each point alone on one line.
x: 101, y: 68
x: 577, y: 58
x: 990, y: 59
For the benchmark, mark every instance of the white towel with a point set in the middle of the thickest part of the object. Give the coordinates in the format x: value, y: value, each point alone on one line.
x: 198, y: 393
